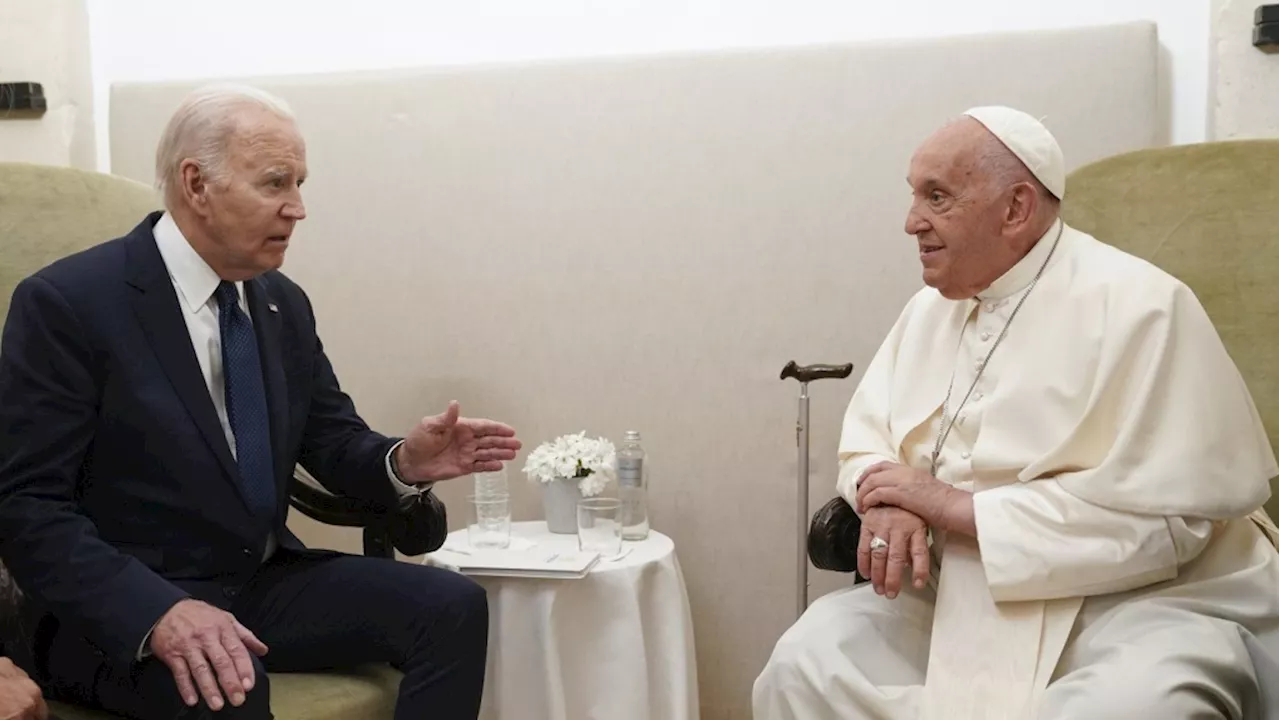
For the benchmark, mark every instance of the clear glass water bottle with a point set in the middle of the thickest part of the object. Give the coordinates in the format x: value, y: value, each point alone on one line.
x: 633, y: 487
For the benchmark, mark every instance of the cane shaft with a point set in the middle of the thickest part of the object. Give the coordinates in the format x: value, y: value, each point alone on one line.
x: 802, y: 501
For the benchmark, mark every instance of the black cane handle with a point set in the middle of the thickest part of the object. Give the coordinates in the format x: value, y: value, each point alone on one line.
x: 808, y: 373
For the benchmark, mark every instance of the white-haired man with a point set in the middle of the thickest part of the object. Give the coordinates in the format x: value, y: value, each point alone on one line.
x: 156, y: 392
x: 1062, y: 422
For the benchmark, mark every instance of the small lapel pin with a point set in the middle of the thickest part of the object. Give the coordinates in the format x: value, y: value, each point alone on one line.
x: 272, y: 307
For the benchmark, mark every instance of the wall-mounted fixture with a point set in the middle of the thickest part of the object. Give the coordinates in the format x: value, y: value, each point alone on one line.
x: 22, y: 100
x: 1264, y: 28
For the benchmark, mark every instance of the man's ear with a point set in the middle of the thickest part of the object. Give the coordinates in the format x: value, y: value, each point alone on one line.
x: 1023, y: 206
x: 193, y: 186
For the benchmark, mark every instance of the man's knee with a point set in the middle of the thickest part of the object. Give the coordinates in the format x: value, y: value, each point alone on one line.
x: 810, y: 671
x: 783, y: 676
x: 473, y: 608
x: 1182, y: 666
x: 1153, y: 691
x: 154, y: 694
x: 256, y: 705
x: 452, y: 605
x: 469, y: 602
x: 257, y: 701
x: 808, y: 639
x: 846, y: 645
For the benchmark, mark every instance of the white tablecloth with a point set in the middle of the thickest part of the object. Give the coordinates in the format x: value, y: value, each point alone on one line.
x: 615, y: 645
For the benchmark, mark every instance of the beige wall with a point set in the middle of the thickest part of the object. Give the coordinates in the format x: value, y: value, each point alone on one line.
x: 1243, y: 80
x: 47, y: 41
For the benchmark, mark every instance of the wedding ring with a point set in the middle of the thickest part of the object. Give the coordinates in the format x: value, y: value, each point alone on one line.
x: 878, y: 543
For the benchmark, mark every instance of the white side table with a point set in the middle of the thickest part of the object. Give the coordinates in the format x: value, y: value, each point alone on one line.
x: 615, y: 645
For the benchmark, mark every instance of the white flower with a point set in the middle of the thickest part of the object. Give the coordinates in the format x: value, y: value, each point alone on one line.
x: 591, y: 460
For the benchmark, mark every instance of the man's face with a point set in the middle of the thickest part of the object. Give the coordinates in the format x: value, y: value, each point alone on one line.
x: 956, y: 214
x: 251, y: 212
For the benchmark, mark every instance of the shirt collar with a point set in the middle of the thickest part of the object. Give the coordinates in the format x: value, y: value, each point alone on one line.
x: 193, y: 277
x: 1021, y: 274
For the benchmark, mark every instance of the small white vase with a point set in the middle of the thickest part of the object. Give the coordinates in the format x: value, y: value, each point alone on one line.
x: 560, y: 505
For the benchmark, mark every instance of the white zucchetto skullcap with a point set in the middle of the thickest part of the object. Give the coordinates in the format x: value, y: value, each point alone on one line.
x: 1028, y: 139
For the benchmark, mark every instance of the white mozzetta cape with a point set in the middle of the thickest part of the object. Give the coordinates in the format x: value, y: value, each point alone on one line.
x: 1113, y: 381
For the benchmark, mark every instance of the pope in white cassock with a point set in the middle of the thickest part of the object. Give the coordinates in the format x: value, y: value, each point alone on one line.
x: 1059, y: 472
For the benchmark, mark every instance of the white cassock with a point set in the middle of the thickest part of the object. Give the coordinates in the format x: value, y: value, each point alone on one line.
x: 1122, y: 567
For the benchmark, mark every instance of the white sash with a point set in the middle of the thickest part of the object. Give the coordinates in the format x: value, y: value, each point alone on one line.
x: 988, y: 660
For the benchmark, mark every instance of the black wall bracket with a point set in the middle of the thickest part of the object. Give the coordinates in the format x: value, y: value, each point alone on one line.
x: 1264, y: 28
x: 22, y: 100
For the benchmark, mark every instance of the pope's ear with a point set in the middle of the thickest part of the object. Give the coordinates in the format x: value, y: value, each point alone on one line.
x: 1023, y: 204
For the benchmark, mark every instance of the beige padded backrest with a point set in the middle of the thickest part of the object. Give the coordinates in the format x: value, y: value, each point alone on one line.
x: 1206, y: 214
x: 48, y: 212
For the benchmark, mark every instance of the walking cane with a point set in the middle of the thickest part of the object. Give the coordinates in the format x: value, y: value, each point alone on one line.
x: 806, y: 374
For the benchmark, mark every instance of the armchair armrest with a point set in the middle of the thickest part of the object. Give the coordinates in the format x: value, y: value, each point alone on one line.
x: 420, y: 525
x: 312, y: 500
x: 417, y: 525
x: 833, y: 537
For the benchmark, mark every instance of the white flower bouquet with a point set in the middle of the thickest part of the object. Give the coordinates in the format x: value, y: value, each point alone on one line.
x: 590, y: 460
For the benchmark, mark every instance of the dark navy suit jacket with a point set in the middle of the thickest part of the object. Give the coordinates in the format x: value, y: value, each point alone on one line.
x: 118, y: 493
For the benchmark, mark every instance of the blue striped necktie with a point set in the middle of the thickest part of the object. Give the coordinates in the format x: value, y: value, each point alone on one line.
x: 246, y: 402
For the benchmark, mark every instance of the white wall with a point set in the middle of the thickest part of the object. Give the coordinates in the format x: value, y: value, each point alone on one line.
x: 163, y: 39
x: 47, y: 41
x: 1243, y: 81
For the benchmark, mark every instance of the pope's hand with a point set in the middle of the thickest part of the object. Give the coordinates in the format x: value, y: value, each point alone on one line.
x: 446, y: 446
x: 907, y: 542
x: 934, y: 501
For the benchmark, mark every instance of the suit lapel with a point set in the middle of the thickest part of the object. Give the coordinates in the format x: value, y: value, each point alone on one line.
x: 266, y: 326
x: 159, y: 313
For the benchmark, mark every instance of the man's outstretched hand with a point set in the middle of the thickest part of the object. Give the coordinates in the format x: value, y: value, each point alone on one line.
x: 20, y: 698
x: 446, y: 446
x: 202, y: 643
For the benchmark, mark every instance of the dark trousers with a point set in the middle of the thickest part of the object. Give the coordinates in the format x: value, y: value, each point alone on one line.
x: 318, y: 612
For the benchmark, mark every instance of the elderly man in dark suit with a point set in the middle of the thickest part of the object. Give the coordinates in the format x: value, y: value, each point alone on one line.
x: 156, y: 392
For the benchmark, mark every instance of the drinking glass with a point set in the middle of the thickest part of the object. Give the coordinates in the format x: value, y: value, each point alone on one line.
x: 599, y: 527
x: 490, y: 521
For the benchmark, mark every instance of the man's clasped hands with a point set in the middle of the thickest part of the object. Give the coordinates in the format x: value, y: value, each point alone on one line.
x: 898, y: 506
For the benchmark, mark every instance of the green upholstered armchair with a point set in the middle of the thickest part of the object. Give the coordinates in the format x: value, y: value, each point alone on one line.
x: 49, y: 212
x: 1204, y: 213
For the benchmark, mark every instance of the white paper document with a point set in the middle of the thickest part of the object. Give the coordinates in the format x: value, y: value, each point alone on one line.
x: 530, y: 562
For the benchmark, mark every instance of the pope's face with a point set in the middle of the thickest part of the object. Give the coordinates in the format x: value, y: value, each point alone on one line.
x: 956, y: 212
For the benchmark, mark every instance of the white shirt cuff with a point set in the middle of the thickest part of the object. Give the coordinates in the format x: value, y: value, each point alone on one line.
x: 850, y: 475
x: 144, y: 649
x: 400, y: 486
